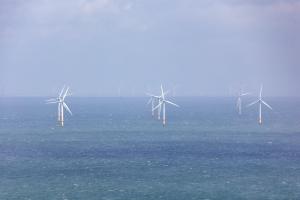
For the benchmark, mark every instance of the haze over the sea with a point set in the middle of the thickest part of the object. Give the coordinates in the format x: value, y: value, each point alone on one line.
x: 101, y: 47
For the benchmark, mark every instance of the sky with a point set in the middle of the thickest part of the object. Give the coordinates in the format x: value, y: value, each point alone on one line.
x: 129, y: 47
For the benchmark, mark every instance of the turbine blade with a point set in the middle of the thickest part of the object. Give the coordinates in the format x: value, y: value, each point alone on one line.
x: 66, y: 93
x: 69, y: 94
x: 52, y: 102
x: 67, y: 108
x: 245, y: 94
x: 62, y: 90
x: 157, y: 106
x: 51, y: 99
x: 174, y: 104
x: 152, y: 95
x: 267, y: 104
x: 251, y: 104
x: 162, y: 92
x: 261, y: 89
x: 150, y: 100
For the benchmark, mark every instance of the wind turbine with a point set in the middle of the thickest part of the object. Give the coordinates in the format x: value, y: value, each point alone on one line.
x: 162, y: 104
x: 61, y: 104
x: 260, y: 103
x: 153, y: 99
x: 239, y: 101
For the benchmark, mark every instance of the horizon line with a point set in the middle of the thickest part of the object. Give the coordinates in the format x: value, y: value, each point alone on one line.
x: 138, y: 96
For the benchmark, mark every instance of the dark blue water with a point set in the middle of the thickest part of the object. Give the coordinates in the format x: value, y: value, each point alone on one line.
x: 111, y: 148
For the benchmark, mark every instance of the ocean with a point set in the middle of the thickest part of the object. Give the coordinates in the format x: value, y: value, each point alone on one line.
x: 113, y: 149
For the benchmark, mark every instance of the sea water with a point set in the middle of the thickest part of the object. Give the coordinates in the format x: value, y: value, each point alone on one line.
x: 113, y: 149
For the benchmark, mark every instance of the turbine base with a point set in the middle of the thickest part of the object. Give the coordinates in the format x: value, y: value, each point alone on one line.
x: 61, y: 123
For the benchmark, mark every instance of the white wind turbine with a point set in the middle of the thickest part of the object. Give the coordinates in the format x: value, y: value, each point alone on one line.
x: 239, y: 101
x: 153, y: 100
x: 61, y: 104
x: 162, y: 105
x: 260, y: 102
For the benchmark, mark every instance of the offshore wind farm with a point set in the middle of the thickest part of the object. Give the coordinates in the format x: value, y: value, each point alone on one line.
x: 112, y: 147
x: 148, y: 100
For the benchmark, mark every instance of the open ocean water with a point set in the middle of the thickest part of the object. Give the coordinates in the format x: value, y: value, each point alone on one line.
x: 112, y: 149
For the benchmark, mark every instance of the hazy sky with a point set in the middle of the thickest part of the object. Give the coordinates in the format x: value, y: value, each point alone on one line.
x: 200, y: 47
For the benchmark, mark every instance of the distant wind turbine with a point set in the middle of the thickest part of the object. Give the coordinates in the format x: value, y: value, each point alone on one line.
x: 153, y: 100
x: 239, y: 101
x: 61, y: 104
x: 260, y: 102
x: 162, y: 104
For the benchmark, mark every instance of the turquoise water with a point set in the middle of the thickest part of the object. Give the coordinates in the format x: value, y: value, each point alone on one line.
x: 113, y: 149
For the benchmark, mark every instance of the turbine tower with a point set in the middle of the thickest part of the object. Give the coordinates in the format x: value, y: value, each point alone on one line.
x: 61, y: 104
x: 239, y: 101
x: 260, y: 102
x: 162, y: 105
